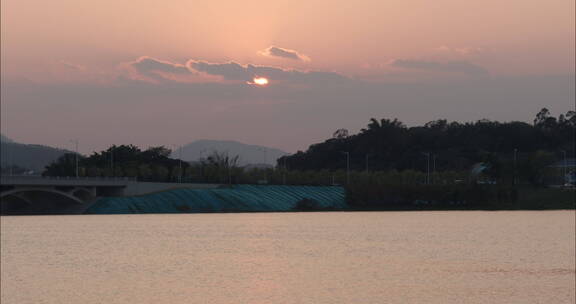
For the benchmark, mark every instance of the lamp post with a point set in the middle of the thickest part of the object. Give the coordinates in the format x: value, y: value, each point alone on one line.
x: 284, y: 170
x: 75, y: 142
x: 366, y: 161
x: 112, y: 160
x: 9, y: 159
x: 564, y: 168
x: 433, y: 168
x: 202, y: 164
x: 347, y: 167
x: 265, y: 164
x: 427, y: 167
x: 514, y: 172
x: 229, y: 167
x: 180, y: 161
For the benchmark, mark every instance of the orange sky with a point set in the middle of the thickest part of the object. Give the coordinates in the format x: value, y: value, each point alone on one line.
x: 512, y: 37
x: 69, y: 43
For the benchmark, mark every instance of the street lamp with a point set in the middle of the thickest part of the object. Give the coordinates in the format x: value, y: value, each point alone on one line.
x: 433, y: 168
x: 265, y: 164
x: 515, y: 159
x: 112, y: 160
x: 201, y: 159
x: 75, y: 141
x: 347, y: 167
x: 564, y: 168
x: 180, y: 163
x: 427, y: 167
x: 367, y: 155
x: 285, y: 168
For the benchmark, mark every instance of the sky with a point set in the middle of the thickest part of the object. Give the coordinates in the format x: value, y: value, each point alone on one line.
x: 168, y: 72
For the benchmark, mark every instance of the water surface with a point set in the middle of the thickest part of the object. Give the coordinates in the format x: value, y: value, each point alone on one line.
x: 339, y: 257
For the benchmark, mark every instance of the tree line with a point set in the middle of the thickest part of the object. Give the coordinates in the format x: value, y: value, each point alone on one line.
x: 506, y: 151
x: 385, y: 152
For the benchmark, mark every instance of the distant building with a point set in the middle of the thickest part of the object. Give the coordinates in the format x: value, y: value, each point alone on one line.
x: 568, y: 168
x: 569, y: 163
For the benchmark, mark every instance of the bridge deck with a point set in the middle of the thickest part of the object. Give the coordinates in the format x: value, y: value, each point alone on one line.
x: 64, y: 181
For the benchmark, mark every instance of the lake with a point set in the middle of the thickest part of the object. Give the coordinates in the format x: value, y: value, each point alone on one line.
x: 333, y: 257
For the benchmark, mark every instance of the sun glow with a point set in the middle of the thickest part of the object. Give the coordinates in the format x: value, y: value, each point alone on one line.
x: 260, y: 81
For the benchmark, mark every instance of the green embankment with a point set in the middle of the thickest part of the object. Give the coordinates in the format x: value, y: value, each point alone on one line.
x: 247, y: 198
x: 240, y: 198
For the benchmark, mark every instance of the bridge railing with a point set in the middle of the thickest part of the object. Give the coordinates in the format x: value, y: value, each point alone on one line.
x: 7, y: 178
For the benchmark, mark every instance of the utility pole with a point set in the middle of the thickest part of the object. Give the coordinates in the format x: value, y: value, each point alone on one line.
x: 180, y: 164
x: 367, y: 161
x: 427, y: 168
x: 514, y: 173
x: 9, y: 154
x: 347, y: 167
x: 433, y: 168
x: 564, y: 168
x: 265, y: 167
x: 229, y: 166
x: 112, y: 160
x: 75, y: 141
x: 9, y: 159
x: 202, y: 164
x: 284, y: 171
x: 175, y: 147
x: 229, y: 174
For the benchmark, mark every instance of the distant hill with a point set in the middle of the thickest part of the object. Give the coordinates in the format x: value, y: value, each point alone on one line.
x: 31, y: 157
x: 249, y: 154
x: 5, y: 139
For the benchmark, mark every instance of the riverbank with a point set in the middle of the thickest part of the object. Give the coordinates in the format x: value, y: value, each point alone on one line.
x: 270, y: 198
x: 459, y: 197
x: 276, y: 198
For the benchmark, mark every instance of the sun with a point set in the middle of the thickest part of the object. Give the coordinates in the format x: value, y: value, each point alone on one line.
x: 261, y: 81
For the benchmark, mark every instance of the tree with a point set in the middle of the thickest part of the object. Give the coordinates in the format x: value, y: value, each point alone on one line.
x: 221, y: 164
x: 340, y: 134
x: 65, y: 165
x: 120, y: 160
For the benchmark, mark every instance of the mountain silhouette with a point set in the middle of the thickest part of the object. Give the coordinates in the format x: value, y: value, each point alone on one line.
x: 249, y: 154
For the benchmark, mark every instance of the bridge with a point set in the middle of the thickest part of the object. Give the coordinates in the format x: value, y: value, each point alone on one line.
x: 69, y: 195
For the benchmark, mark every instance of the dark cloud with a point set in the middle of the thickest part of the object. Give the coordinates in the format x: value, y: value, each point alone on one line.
x: 463, y: 51
x: 275, y: 51
x: 235, y: 71
x: 150, y: 67
x: 450, y: 66
x: 72, y: 66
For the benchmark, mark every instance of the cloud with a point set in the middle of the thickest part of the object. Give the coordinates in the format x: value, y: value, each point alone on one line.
x: 72, y: 66
x: 275, y: 51
x: 238, y: 72
x: 464, y: 51
x: 463, y: 67
x: 200, y: 71
x: 153, y: 68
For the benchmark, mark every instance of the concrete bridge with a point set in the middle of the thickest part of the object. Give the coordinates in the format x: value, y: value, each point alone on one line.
x: 69, y: 195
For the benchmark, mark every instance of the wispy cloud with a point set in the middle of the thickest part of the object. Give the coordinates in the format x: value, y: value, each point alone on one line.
x: 463, y: 67
x: 463, y: 51
x: 72, y: 66
x: 198, y: 71
x: 236, y: 71
x: 154, y: 68
x: 279, y: 52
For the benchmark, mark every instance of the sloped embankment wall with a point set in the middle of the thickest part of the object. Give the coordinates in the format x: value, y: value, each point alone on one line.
x: 241, y: 198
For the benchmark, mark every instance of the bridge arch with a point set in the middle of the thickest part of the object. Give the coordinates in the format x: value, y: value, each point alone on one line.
x: 24, y: 191
x: 37, y: 201
x: 84, y: 194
